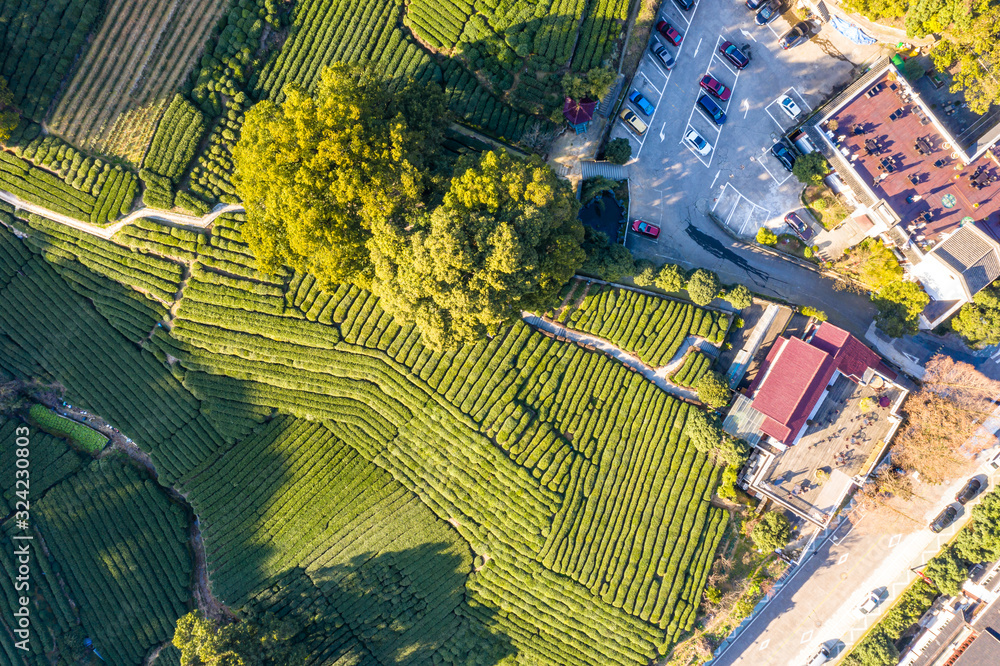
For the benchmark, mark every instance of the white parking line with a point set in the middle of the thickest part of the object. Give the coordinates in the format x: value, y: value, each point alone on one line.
x: 760, y: 160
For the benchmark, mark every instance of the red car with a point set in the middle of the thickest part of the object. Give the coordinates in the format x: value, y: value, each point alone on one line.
x: 801, y: 229
x: 715, y: 87
x: 670, y: 32
x: 646, y: 229
x: 734, y: 55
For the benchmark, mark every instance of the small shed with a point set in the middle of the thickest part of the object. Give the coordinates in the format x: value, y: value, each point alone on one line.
x: 579, y: 113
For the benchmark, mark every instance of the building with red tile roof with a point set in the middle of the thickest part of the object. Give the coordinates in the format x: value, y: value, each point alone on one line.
x: 794, y: 378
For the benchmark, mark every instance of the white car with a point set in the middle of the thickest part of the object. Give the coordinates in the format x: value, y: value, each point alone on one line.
x: 869, y: 604
x: 697, y: 143
x: 789, y: 106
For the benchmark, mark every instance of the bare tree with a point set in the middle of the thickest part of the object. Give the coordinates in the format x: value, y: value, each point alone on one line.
x: 942, y: 416
x: 537, y: 139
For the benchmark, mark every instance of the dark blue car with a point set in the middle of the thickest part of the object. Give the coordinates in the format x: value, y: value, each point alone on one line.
x: 711, y: 109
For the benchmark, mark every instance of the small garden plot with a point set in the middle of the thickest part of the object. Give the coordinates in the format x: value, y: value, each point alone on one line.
x: 695, y: 365
x: 651, y: 327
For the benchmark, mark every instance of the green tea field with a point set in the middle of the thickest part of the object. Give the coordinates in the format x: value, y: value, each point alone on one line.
x: 521, y: 500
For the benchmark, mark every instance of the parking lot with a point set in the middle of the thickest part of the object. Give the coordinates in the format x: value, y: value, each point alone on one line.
x: 737, y: 177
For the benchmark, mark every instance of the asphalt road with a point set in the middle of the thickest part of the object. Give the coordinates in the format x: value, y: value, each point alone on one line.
x: 817, y: 605
x: 673, y: 186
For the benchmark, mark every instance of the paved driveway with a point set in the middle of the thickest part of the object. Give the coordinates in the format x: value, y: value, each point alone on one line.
x: 673, y: 186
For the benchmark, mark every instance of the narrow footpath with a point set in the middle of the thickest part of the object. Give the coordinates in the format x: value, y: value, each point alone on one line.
x: 110, y: 230
x: 657, y: 376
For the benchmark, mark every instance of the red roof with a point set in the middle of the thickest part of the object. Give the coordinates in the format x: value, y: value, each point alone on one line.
x: 580, y: 112
x: 792, y: 378
x: 791, y: 387
x: 851, y: 355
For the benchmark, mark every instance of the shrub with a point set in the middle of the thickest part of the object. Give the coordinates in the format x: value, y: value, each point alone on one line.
x: 813, y: 312
x: 740, y: 297
x: 670, y: 278
x: 646, y: 273
x: 618, y: 151
x: 703, y: 286
x: 807, y: 252
x: 766, y: 237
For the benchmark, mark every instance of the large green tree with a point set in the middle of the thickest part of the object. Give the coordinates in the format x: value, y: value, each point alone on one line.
x: 259, y: 640
x: 317, y: 173
x: 505, y: 238
x: 979, y: 321
x: 898, y: 305
x: 771, y: 532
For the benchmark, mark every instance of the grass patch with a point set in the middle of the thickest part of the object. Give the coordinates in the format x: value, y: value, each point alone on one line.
x: 828, y: 208
x: 80, y: 436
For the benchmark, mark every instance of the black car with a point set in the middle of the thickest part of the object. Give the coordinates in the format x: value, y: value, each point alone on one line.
x: 944, y: 519
x: 783, y: 155
x: 799, y: 34
x: 968, y: 491
x: 770, y: 11
x: 685, y: 4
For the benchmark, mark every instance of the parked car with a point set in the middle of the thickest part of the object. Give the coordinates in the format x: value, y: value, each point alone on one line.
x: 868, y: 604
x: 755, y: 4
x: 686, y: 5
x: 789, y: 106
x: 799, y: 34
x: 644, y: 104
x: 783, y: 155
x: 734, y: 55
x: 715, y: 87
x: 801, y: 229
x: 820, y: 657
x: 670, y: 32
x: 995, y: 461
x: 661, y: 53
x: 969, y: 491
x: 944, y: 519
x: 697, y: 143
x: 768, y: 12
x: 709, y: 107
x: 633, y: 121
x: 646, y: 229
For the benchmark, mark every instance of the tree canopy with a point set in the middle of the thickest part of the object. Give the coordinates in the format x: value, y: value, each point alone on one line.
x: 766, y: 237
x: 618, y: 151
x: 771, y: 532
x: 740, y: 297
x: 593, y: 84
x: 670, y: 278
x: 899, y: 304
x: 258, y: 641
x: 317, y: 173
x: 703, y: 286
x: 810, y: 168
x: 505, y: 238
x: 979, y: 321
x: 954, y: 399
x: 712, y: 390
x: 609, y: 261
x: 9, y: 116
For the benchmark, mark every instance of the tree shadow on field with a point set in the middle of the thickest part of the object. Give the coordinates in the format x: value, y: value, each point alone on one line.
x: 405, y: 607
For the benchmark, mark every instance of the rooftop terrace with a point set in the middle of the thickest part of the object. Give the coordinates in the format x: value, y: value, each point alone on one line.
x: 843, y: 440
x: 927, y: 185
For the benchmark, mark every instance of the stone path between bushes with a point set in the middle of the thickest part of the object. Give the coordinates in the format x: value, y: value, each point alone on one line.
x: 657, y: 376
x: 110, y: 230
